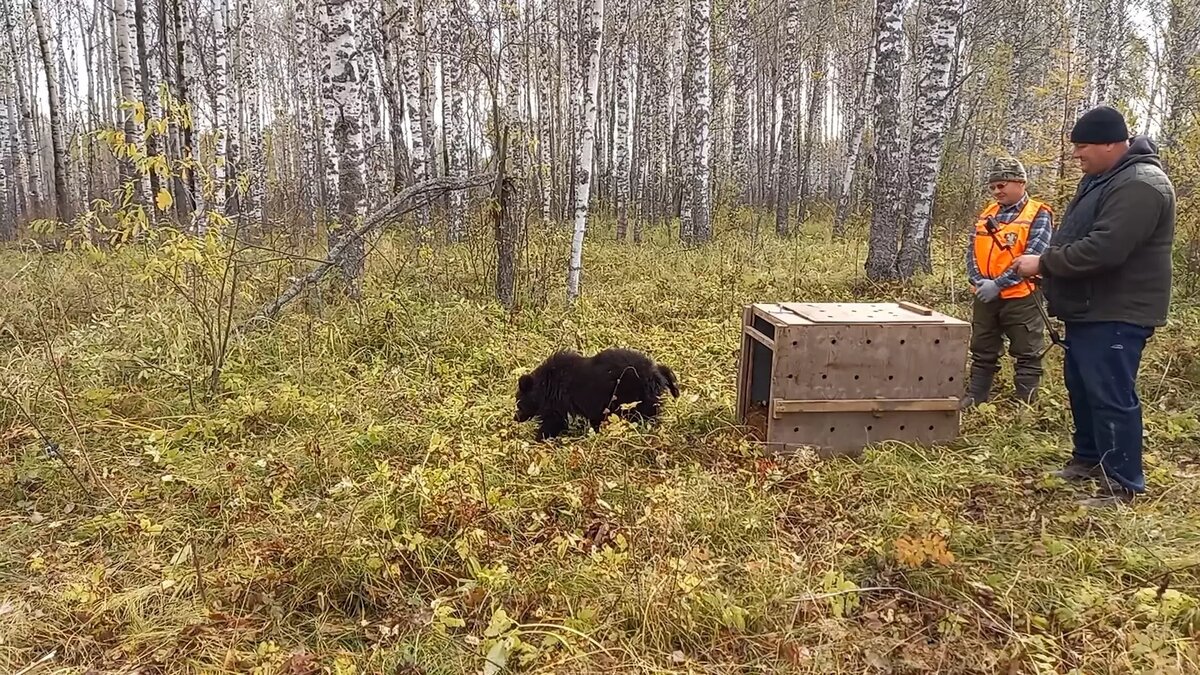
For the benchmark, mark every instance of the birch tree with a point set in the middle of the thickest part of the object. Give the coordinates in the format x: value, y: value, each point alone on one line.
x: 785, y: 152
x: 700, y: 105
x: 8, y: 207
x: 250, y: 150
x: 742, y: 63
x: 590, y: 35
x: 131, y: 99
x: 812, y: 126
x: 861, y: 115
x: 410, y: 76
x: 929, y: 134
x: 884, y: 237
x: 62, y: 200
x: 146, y: 93
x: 28, y: 166
x: 343, y: 103
x: 620, y: 133
x: 221, y: 116
x: 454, y: 82
x: 1182, y: 63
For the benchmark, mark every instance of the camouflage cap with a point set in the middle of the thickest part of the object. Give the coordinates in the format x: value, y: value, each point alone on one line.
x: 1006, y: 168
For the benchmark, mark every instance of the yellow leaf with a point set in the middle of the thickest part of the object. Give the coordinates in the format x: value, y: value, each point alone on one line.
x: 163, y: 200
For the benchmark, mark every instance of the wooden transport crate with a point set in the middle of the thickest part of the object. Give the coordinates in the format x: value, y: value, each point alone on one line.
x: 839, y: 376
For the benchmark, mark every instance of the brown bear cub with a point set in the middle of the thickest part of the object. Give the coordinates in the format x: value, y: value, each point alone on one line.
x: 568, y: 383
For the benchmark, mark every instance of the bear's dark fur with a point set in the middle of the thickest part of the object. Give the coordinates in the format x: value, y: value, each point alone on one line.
x: 568, y: 383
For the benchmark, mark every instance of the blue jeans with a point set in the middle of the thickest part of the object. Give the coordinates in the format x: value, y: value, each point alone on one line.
x: 1100, y: 371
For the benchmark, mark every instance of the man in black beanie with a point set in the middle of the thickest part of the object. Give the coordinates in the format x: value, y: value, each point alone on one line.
x: 1107, y: 276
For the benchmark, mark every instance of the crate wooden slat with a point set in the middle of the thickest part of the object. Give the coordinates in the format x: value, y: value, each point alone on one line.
x: 839, y: 376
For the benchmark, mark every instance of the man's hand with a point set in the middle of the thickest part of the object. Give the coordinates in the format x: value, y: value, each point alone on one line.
x: 1028, y: 265
x: 987, y: 290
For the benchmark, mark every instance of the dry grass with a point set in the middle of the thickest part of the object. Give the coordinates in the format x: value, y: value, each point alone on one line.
x: 357, y: 499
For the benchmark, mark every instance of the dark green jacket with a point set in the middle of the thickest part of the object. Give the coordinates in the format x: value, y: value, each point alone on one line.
x: 1111, y: 258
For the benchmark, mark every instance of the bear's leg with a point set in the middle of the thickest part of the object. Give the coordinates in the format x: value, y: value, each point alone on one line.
x: 551, y: 426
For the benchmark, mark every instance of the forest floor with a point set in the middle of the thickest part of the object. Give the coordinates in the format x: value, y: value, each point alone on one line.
x: 357, y: 498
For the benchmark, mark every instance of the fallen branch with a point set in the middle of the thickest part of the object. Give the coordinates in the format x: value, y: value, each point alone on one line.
x: 417, y: 196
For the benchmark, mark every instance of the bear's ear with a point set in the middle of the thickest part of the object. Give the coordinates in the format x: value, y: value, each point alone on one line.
x: 525, y: 383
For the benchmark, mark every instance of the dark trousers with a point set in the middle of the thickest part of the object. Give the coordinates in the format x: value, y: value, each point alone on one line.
x: 1101, y: 367
x: 1021, y: 321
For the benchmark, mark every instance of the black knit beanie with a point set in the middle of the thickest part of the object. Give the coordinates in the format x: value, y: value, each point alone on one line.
x: 1102, y: 124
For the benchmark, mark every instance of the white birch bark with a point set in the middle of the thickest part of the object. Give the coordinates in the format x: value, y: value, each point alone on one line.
x: 130, y: 95
x: 1108, y: 45
x: 621, y: 128
x: 812, y: 133
x: 147, y: 94
x: 1182, y: 60
x: 547, y: 95
x: 28, y: 167
x: 455, y: 115
x: 8, y: 208
x: 929, y: 133
x: 224, y: 119
x: 250, y: 146
x: 677, y: 112
x: 883, y: 241
x: 368, y: 34
x: 58, y: 145
x: 742, y: 65
x: 701, y: 111
x: 343, y: 104
x: 861, y: 115
x: 591, y: 36
x: 785, y: 152
x: 410, y: 75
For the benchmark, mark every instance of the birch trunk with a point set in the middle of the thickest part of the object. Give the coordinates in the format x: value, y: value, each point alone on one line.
x: 343, y: 105
x: 148, y: 94
x: 135, y: 116
x: 743, y: 77
x: 883, y: 242
x: 785, y: 152
x: 1182, y: 56
x: 8, y: 209
x: 29, y: 167
x: 410, y: 76
x: 62, y: 197
x: 861, y: 114
x: 676, y: 180
x: 591, y: 37
x: 620, y: 130
x: 312, y: 175
x: 250, y: 146
x: 701, y: 111
x: 222, y: 122
x: 455, y: 115
x: 182, y: 72
x: 929, y: 134
x: 812, y: 133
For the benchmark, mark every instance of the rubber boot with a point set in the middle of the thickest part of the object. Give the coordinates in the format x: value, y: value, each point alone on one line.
x: 979, y: 390
x: 1026, y: 388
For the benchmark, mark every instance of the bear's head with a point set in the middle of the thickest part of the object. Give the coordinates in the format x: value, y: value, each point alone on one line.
x: 528, y: 401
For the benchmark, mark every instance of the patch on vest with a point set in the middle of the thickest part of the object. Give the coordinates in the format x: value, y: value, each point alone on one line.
x: 1010, y: 238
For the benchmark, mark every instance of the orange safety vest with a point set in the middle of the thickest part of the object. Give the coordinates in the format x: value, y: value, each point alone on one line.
x: 993, y: 260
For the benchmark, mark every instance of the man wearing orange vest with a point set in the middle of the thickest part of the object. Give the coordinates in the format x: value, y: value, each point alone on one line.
x: 1006, y: 304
